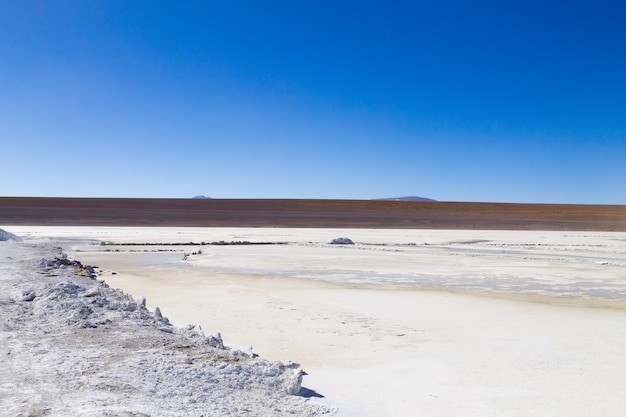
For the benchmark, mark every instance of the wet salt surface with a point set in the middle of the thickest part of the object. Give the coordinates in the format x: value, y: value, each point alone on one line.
x: 594, y: 272
x: 597, y: 271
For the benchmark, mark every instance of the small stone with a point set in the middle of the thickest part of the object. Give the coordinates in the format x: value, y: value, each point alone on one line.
x: 342, y: 241
x: 215, y: 340
x: 91, y: 292
x: 246, y: 351
x: 159, y: 316
x: 196, y: 330
x: 28, y: 295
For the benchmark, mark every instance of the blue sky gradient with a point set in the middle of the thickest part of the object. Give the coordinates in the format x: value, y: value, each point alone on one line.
x: 520, y: 101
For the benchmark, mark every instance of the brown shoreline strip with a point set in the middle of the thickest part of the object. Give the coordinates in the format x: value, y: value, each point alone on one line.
x: 374, y: 214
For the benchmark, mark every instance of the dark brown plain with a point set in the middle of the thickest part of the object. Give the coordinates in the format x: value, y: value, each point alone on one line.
x: 35, y: 211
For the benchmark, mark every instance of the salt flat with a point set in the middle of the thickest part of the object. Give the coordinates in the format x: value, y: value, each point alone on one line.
x: 404, y: 322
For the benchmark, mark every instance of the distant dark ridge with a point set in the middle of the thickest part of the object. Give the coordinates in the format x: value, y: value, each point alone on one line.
x: 308, y: 213
x: 407, y: 198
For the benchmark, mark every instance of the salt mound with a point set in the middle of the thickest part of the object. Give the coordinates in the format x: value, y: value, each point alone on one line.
x: 342, y: 241
x: 8, y: 237
x: 77, y: 347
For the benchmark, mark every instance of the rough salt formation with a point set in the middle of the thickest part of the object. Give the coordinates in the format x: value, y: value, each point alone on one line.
x: 72, y: 346
x: 8, y: 237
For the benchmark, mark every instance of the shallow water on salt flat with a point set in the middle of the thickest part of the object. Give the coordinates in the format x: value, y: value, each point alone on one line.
x: 556, y: 264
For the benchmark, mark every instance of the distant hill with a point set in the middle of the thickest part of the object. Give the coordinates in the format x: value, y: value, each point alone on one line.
x: 407, y: 198
x: 200, y: 197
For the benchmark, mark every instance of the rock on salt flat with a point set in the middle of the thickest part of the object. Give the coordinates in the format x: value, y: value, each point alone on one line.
x: 72, y: 346
x: 342, y: 241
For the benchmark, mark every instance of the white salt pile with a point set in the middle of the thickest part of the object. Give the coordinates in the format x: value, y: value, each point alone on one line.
x: 8, y: 237
x: 72, y: 346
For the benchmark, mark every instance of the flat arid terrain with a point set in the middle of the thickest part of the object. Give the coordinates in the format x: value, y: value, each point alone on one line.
x: 434, y: 309
x: 401, y: 322
x: 308, y: 213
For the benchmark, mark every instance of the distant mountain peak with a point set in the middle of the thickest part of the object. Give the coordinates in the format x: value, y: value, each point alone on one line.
x: 407, y: 198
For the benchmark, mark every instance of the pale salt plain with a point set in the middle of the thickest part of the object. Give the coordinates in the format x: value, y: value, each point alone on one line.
x: 404, y: 322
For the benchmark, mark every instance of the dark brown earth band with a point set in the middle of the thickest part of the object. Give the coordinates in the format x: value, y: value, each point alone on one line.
x: 308, y: 213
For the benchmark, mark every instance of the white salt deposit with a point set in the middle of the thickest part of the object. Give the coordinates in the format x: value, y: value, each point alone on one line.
x: 72, y: 346
x: 403, y: 322
x: 8, y: 237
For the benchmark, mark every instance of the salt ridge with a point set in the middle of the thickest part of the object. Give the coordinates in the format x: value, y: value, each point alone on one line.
x: 74, y: 346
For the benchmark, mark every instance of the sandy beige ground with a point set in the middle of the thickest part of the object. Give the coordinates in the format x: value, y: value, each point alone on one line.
x: 433, y: 323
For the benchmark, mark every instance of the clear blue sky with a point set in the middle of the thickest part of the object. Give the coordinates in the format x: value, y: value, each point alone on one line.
x: 504, y: 101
